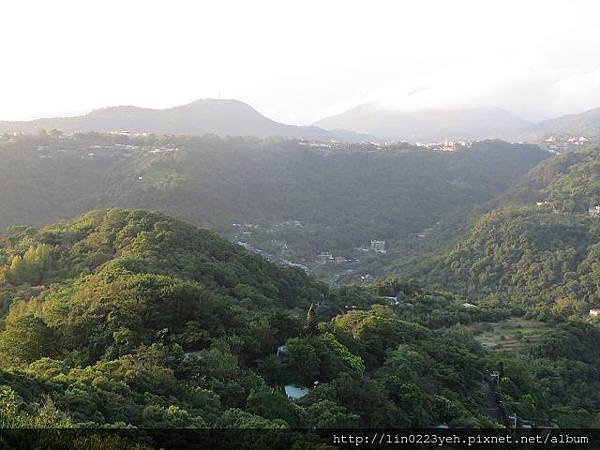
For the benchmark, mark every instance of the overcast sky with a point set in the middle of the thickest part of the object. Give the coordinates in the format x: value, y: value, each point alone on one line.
x: 297, y: 61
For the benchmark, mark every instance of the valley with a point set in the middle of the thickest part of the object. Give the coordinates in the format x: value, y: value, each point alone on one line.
x: 300, y: 200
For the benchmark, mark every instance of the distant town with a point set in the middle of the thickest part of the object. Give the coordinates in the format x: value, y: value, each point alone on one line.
x: 564, y: 143
x: 554, y: 143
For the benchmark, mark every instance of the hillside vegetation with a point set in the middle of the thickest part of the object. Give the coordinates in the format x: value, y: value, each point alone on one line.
x: 132, y: 319
x: 342, y: 197
x: 539, y: 248
x: 126, y: 317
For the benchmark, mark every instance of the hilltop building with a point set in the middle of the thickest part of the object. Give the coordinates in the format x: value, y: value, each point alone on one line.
x: 378, y: 246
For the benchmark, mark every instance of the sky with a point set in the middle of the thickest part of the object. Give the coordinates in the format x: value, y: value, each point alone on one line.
x: 299, y: 61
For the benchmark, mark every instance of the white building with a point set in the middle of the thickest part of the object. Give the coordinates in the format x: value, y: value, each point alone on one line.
x: 378, y: 246
x: 325, y: 257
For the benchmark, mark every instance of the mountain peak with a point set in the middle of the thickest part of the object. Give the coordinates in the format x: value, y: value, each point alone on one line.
x: 426, y: 125
x: 218, y: 105
x: 115, y: 110
x: 224, y: 117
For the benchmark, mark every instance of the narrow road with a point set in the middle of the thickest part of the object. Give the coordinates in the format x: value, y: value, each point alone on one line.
x: 492, y: 408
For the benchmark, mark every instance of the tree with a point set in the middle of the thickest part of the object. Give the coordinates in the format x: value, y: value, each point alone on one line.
x: 25, y: 339
x: 328, y: 414
x: 10, y: 416
x: 272, y: 404
x: 31, y: 267
x: 236, y: 418
x: 311, y: 319
x: 302, y: 361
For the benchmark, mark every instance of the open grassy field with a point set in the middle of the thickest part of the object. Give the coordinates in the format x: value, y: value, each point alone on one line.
x: 510, y: 335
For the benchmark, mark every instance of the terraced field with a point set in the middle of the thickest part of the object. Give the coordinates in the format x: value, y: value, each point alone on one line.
x: 510, y: 335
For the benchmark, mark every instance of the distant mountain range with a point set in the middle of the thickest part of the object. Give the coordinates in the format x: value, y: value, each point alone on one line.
x: 479, y: 123
x: 583, y: 124
x: 207, y: 116
x: 364, y: 123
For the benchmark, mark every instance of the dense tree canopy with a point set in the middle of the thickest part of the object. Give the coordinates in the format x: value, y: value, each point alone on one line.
x: 143, y: 320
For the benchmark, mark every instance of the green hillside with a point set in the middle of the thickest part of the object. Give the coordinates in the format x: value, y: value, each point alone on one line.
x: 342, y: 196
x: 539, y: 248
x: 131, y: 319
x: 126, y: 317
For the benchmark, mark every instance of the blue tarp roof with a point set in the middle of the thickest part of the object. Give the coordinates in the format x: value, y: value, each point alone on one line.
x: 295, y: 392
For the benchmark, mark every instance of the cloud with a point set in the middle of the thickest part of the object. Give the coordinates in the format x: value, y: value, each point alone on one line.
x: 529, y: 88
x: 578, y: 91
x: 297, y: 61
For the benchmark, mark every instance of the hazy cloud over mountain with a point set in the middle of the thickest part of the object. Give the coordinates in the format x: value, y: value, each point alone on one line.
x: 532, y: 93
x: 300, y: 61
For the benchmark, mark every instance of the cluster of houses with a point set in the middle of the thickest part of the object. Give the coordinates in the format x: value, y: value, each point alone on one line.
x: 445, y: 146
x: 378, y: 246
x: 289, y: 224
x: 128, y: 147
x: 158, y: 150
x: 327, y: 257
x: 564, y: 143
x: 110, y: 150
x: 581, y: 140
x: 127, y: 133
x: 594, y: 211
x: 282, y: 244
x: 334, y: 145
x: 245, y: 228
